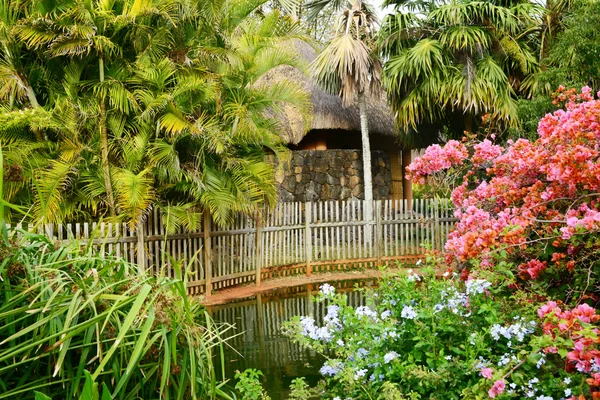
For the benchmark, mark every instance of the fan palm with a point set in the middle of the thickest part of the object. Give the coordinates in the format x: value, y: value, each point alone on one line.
x: 453, y: 61
x: 349, y: 67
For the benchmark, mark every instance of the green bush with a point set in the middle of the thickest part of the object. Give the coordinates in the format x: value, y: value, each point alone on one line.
x: 66, y: 314
x: 437, y: 337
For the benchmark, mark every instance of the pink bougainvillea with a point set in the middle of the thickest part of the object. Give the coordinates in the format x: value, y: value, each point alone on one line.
x: 497, y: 388
x: 437, y: 158
x: 537, y: 202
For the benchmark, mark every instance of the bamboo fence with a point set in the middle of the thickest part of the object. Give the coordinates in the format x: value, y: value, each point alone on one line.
x: 295, y: 238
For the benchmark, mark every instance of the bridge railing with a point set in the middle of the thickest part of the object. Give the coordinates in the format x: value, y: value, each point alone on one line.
x: 295, y: 238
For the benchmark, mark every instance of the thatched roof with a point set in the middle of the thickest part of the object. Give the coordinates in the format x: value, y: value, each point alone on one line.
x: 328, y: 112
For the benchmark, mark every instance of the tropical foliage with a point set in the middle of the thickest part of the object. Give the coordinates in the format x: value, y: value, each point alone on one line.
x: 349, y: 66
x: 437, y: 337
x: 449, y: 63
x: 531, y: 204
x: 74, y: 325
x: 109, y: 107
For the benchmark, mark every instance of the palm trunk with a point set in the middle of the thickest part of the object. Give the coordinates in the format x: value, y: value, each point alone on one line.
x: 407, y: 187
x: 34, y: 104
x: 366, y: 152
x: 31, y: 96
x: 104, y: 148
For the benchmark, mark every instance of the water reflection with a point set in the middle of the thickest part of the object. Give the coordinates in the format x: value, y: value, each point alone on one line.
x: 260, y: 343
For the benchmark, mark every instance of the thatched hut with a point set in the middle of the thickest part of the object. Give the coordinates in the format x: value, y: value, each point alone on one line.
x: 330, y: 125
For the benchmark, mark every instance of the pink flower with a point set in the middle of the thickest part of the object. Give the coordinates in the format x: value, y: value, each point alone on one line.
x: 497, y: 388
x: 487, y: 373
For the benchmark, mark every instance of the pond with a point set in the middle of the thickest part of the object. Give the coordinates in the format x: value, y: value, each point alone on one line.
x: 259, y: 342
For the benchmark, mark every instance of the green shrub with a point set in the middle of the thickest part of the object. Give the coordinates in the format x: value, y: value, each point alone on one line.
x: 66, y: 313
x: 428, y: 337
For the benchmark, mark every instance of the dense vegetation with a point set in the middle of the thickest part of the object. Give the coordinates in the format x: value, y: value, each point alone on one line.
x: 108, y: 107
x: 512, y: 310
x: 75, y: 325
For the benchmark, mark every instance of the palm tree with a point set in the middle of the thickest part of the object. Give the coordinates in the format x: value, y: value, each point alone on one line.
x: 451, y: 62
x: 349, y: 67
x: 163, y: 91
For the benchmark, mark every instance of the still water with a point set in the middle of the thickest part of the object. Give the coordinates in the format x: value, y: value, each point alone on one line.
x: 260, y: 343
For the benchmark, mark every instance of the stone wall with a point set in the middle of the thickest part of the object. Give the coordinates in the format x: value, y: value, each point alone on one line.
x: 314, y: 175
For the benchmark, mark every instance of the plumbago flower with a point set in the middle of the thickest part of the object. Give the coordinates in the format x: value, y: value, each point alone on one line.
x: 535, y: 205
x: 448, y: 338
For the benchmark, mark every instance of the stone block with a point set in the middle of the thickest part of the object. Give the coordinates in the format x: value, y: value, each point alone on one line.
x: 289, y: 184
x: 337, y: 163
x: 336, y: 192
x: 286, y: 196
x: 357, y: 191
x: 354, y: 181
x: 337, y: 173
x: 345, y: 193
x: 320, y: 178
x: 279, y: 175
x: 332, y: 180
x: 297, y: 158
x: 325, y: 192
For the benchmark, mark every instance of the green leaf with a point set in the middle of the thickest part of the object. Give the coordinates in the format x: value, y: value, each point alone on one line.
x: 41, y: 396
x: 90, y: 388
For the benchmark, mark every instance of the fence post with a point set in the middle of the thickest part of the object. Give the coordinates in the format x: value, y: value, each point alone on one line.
x: 259, y: 257
x: 141, y: 252
x: 307, y: 237
x: 207, y: 258
x: 437, y: 236
x: 378, y: 231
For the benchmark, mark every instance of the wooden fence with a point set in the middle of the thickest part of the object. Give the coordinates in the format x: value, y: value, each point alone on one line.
x: 296, y: 238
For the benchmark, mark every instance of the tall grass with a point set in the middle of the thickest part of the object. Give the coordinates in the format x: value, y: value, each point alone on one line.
x: 66, y: 314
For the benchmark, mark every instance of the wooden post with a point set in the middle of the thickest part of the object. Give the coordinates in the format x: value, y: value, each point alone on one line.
x: 307, y: 237
x: 378, y: 230
x: 437, y: 235
x: 260, y: 251
x: 207, y: 258
x: 141, y: 252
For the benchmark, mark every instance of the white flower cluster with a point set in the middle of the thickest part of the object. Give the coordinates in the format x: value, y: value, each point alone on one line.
x: 364, y: 311
x: 309, y: 329
x: 408, y: 312
x: 327, y: 290
x: 388, y: 357
x: 360, y: 374
x: 455, y: 301
x: 517, y: 331
x: 506, y: 359
x: 331, y: 368
x: 477, y: 286
x: 332, y: 318
x: 411, y: 276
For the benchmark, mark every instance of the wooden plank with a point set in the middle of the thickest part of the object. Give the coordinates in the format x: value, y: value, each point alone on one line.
x: 378, y: 231
x: 307, y: 237
x: 207, y: 255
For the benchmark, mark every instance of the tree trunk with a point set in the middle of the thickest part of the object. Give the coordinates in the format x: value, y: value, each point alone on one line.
x: 104, y: 148
x: 366, y: 152
x: 31, y: 96
x: 406, y: 183
x: 34, y: 104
